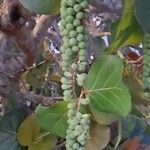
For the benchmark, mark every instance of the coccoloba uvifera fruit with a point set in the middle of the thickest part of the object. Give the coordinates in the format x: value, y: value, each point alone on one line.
x: 82, y: 66
x: 70, y: 11
x: 146, y: 66
x: 80, y: 15
x: 77, y: 133
x: 84, y: 4
x: 80, y: 37
x: 81, y: 79
x: 85, y: 101
x: 66, y: 86
x: 75, y: 48
x: 76, y: 22
x: 73, y: 34
x: 68, y: 74
x: 77, y: 7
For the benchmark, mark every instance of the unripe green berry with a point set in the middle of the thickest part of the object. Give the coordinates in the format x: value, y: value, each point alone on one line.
x: 62, y: 49
x: 63, y: 55
x: 66, y: 44
x: 85, y: 101
x: 81, y: 67
x: 85, y: 121
x: 70, y: 11
x: 67, y: 93
x: 71, y: 2
x: 80, y: 29
x: 80, y: 15
x: 82, y: 45
x: 77, y: 7
x: 76, y: 22
x: 72, y: 34
x: 82, y: 52
x: 68, y: 146
x: 74, y: 66
x: 82, y: 58
x: 80, y: 37
x: 64, y: 15
x: 71, y: 106
x: 69, y: 26
x: 146, y: 94
x: 65, y: 63
x: 66, y: 86
x: 84, y: 4
x: 76, y: 146
x: 72, y: 112
x: 82, y: 76
x: 78, y: 130
x: 69, y: 120
x: 80, y: 82
x: 70, y: 142
x: 68, y: 74
x: 86, y: 116
x: 63, y: 22
x: 79, y: 115
x: 68, y: 99
x: 73, y: 41
x: 64, y: 68
x: 61, y: 28
x: 82, y: 64
x: 65, y: 32
x: 65, y: 39
x: 64, y: 80
x: 81, y: 79
x: 87, y: 127
x: 72, y: 136
x: 68, y: 52
x: 64, y: 3
x: 83, y: 143
x: 69, y: 19
x: 73, y: 124
x: 81, y: 138
x: 75, y: 48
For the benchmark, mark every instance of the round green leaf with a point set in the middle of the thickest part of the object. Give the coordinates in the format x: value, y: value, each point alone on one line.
x: 48, y: 7
x: 142, y: 14
x: 53, y: 118
x: 104, y: 118
x: 47, y: 143
x: 8, y: 129
x: 99, y: 46
x: 105, y: 88
x: 28, y: 131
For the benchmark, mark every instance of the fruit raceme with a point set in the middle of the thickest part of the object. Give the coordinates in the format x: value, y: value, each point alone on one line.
x: 74, y: 64
x: 146, y: 66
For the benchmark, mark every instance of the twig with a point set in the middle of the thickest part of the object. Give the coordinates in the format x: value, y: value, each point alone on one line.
x: 37, y: 99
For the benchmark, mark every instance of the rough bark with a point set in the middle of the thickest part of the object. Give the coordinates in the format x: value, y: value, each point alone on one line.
x: 16, y: 34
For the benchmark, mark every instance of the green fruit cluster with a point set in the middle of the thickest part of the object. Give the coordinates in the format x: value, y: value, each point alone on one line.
x: 78, y: 130
x: 73, y: 33
x: 146, y: 66
x: 73, y: 64
x: 74, y: 42
x: 85, y: 101
x: 81, y: 79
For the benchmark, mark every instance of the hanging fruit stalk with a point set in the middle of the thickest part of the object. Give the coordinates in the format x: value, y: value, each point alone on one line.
x: 74, y: 64
x: 146, y: 66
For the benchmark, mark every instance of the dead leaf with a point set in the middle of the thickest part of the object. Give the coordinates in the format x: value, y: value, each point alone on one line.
x: 99, y: 137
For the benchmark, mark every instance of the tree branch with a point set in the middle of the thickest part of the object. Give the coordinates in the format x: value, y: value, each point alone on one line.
x: 37, y: 99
